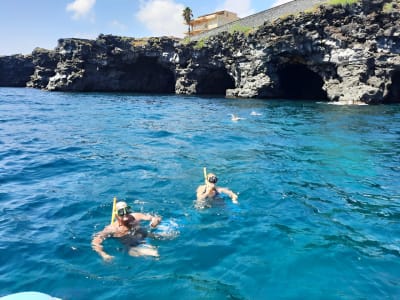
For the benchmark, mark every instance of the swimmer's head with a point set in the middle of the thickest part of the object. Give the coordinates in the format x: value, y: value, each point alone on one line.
x: 122, y: 209
x: 124, y: 214
x: 212, y: 178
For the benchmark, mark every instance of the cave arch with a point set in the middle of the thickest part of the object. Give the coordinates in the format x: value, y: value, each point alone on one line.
x: 298, y: 82
x: 215, y: 82
x: 393, y: 95
x: 146, y: 75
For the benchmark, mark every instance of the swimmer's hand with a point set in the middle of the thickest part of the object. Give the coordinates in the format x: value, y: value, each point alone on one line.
x: 155, y: 221
x: 106, y: 257
x: 234, y: 199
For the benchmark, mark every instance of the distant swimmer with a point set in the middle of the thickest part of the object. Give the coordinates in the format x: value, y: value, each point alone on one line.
x: 127, y: 229
x: 210, y: 191
x: 254, y: 113
x: 235, y: 118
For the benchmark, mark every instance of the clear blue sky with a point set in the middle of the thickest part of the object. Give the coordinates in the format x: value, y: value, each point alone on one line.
x: 26, y: 24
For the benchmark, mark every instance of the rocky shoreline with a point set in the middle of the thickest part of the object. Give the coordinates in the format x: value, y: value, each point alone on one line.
x: 348, y: 54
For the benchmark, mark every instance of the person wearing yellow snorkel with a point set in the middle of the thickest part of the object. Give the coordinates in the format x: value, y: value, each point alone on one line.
x: 210, y: 191
x: 128, y: 230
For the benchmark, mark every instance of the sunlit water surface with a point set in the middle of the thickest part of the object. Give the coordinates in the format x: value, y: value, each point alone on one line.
x: 318, y: 184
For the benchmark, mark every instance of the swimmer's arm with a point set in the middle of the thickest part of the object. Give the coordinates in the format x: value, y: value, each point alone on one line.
x: 154, y: 220
x: 204, y: 191
x: 201, y: 192
x: 231, y: 194
x: 97, y: 242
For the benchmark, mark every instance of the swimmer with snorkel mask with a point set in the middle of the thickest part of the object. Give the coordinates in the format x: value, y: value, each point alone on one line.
x: 210, y: 190
x: 127, y: 228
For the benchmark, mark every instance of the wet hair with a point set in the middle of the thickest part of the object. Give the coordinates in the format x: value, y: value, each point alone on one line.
x: 212, y: 178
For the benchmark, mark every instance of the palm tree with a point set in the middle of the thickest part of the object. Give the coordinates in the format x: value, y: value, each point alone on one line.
x: 187, y: 16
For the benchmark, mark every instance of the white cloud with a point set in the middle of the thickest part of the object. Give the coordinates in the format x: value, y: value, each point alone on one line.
x: 81, y: 8
x: 279, y: 2
x: 162, y: 17
x: 242, y: 8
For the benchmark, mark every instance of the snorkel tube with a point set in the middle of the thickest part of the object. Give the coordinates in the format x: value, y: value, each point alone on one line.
x: 205, y: 175
x: 113, y: 210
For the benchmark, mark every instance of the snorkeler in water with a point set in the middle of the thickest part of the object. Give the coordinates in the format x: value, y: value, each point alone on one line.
x: 127, y: 228
x: 211, y: 191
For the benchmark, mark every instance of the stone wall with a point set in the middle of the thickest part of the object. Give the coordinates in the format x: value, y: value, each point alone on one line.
x: 268, y: 15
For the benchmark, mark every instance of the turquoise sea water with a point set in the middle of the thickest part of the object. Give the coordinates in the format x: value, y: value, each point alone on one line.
x: 318, y: 184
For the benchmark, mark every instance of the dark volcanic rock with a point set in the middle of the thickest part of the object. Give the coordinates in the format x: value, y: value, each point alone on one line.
x: 15, y: 70
x: 45, y: 62
x: 347, y: 54
x: 112, y: 63
x: 340, y: 53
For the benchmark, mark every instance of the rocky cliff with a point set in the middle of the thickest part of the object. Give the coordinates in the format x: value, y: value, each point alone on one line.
x: 15, y: 70
x: 339, y: 53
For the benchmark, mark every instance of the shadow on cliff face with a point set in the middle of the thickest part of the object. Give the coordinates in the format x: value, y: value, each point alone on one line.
x: 214, y: 82
x: 145, y: 75
x: 297, y: 82
x: 394, y: 89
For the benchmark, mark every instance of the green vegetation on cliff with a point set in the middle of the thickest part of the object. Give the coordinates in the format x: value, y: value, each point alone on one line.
x: 200, y: 44
x: 392, y: 6
x: 241, y: 29
x: 342, y: 2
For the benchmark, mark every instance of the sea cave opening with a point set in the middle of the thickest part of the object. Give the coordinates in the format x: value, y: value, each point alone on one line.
x: 393, y: 95
x: 215, y: 82
x: 300, y: 83
x: 146, y: 75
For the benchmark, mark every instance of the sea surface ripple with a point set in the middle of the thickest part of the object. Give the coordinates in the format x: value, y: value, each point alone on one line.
x: 318, y: 184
